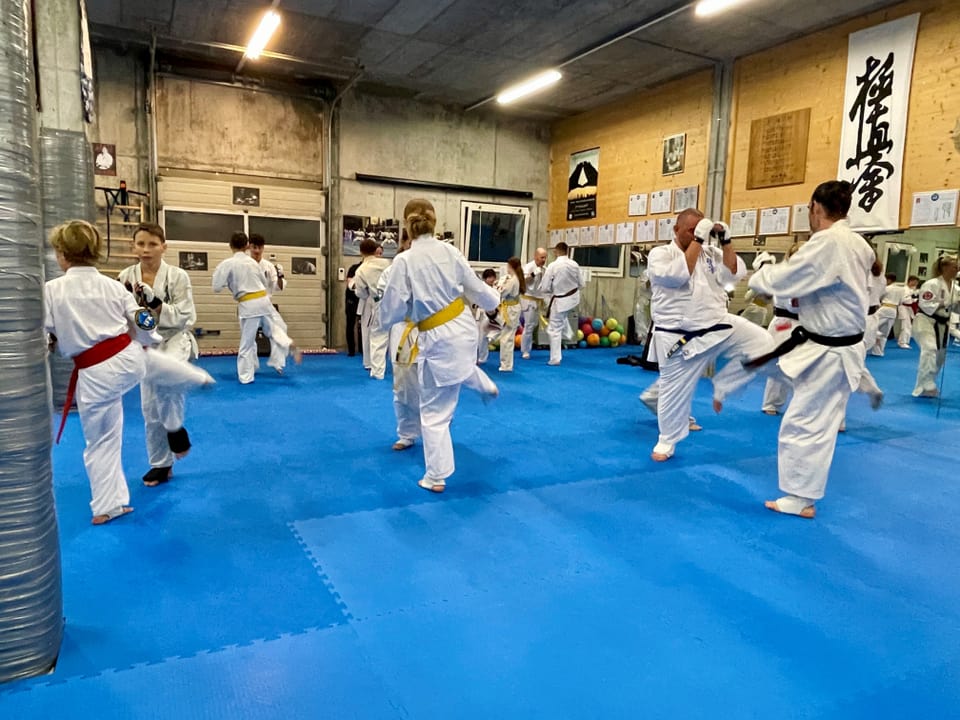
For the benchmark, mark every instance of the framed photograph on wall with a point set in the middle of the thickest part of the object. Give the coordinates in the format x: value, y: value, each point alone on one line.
x: 196, y: 261
x: 674, y: 153
x: 304, y: 266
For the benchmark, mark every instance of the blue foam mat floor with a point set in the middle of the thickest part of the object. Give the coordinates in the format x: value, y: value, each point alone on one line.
x: 292, y: 567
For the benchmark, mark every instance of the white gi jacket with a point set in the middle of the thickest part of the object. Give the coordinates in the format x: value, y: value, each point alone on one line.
x: 533, y: 276
x: 365, y: 286
x: 937, y: 299
x: 681, y: 300
x: 562, y: 276
x: 241, y: 274
x: 828, y: 277
x: 509, y: 290
x: 270, y: 277
x: 424, y: 280
x: 890, y: 301
x: 178, y: 314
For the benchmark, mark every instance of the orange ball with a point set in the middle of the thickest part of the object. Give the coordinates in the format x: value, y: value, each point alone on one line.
x: 604, y: 331
x: 593, y: 339
x: 516, y: 340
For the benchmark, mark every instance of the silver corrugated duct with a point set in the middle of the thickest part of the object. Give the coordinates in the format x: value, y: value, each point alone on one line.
x: 67, y: 191
x: 31, y: 603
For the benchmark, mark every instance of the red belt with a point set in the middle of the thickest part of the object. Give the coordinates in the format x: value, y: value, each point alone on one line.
x: 103, y: 350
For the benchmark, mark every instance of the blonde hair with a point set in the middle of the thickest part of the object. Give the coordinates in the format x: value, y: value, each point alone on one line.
x: 941, y: 261
x: 419, y: 217
x: 78, y: 241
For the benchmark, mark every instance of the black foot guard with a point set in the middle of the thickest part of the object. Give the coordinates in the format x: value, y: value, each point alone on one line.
x: 178, y: 440
x: 157, y: 475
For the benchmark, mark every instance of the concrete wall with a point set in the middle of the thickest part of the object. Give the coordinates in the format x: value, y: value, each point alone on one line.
x: 430, y: 143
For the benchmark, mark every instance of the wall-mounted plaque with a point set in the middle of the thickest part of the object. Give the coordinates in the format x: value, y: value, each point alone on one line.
x: 778, y: 150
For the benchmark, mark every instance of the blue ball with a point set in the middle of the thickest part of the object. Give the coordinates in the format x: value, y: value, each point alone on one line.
x: 582, y: 343
x: 597, y: 324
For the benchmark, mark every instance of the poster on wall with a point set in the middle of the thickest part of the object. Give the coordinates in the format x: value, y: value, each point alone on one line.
x: 304, y: 265
x: 743, y: 223
x: 775, y: 221
x: 686, y: 197
x: 104, y: 159
x: 801, y: 218
x: 637, y: 205
x: 647, y: 231
x: 665, y: 229
x: 876, y: 97
x: 607, y: 235
x: 572, y: 236
x: 193, y: 261
x: 248, y: 196
x: 660, y: 201
x: 357, y: 228
x: 588, y: 235
x: 934, y: 208
x: 625, y: 233
x: 674, y: 153
x: 555, y: 237
x: 582, y: 184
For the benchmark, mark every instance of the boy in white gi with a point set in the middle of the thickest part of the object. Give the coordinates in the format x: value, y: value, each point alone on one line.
x: 908, y: 311
x: 241, y: 274
x: 531, y: 301
x: 825, y: 356
x: 562, y: 281
x: 373, y: 339
x: 274, y: 281
x: 165, y: 290
x: 427, y: 285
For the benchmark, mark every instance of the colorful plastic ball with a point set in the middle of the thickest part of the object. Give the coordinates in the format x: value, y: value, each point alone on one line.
x: 516, y: 340
x: 612, y: 323
x: 605, y: 342
x: 582, y: 343
x: 593, y: 339
x: 613, y: 344
x: 614, y: 337
x: 597, y: 324
x: 621, y: 330
x: 586, y: 328
x: 604, y: 331
x: 580, y: 335
x: 586, y: 320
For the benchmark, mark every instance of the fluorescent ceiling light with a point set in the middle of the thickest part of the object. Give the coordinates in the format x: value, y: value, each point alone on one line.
x: 712, y: 7
x: 268, y: 24
x: 528, y: 87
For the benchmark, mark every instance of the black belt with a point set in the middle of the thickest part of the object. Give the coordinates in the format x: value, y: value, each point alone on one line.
x: 799, y: 336
x: 872, y: 309
x: 689, y: 335
x: 780, y: 312
x: 940, y: 335
x: 554, y: 297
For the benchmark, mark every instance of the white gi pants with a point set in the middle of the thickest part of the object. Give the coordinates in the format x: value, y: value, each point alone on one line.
x: 778, y: 386
x: 378, y: 341
x: 808, y: 431
x: 100, y: 391
x: 164, y: 407
x: 679, y: 375
x: 280, y: 342
x: 925, y: 331
x: 870, y: 331
x: 507, y: 343
x: 274, y: 328
x: 406, y: 389
x: 885, y: 319
x: 558, y: 330
x: 530, y: 310
x: 906, y: 325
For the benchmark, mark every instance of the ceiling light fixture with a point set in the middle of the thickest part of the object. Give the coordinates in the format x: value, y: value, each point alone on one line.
x: 268, y: 25
x: 712, y: 7
x: 528, y: 87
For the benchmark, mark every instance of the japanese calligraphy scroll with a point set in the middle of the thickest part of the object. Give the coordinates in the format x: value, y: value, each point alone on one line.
x: 877, y: 95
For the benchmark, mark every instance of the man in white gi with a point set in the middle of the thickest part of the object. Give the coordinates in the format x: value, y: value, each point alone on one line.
x: 691, y: 324
x: 275, y: 281
x: 562, y: 281
x: 373, y: 339
x: 531, y: 301
x: 242, y: 276
x: 825, y: 355
x: 427, y: 284
x: 938, y: 299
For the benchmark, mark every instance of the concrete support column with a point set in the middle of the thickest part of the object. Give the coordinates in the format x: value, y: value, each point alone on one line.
x: 719, y: 139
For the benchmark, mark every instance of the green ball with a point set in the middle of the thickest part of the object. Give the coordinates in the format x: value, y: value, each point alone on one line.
x: 605, y: 341
x: 621, y: 330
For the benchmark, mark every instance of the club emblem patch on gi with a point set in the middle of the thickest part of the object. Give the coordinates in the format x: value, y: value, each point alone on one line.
x: 145, y: 320
x: 928, y: 295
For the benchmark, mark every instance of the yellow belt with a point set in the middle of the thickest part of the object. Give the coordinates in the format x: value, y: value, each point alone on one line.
x: 887, y: 305
x: 442, y: 316
x: 532, y: 298
x: 252, y: 296
x: 412, y: 356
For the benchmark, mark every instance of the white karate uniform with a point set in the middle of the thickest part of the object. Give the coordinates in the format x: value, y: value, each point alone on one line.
x: 164, y: 408
x: 406, y: 384
x: 875, y: 288
x: 425, y: 280
x: 509, y: 319
x: 242, y: 275
x: 561, y: 277
x: 828, y: 277
x: 886, y: 316
x: 531, y: 306
x: 937, y: 300
x: 278, y: 326
x: 687, y: 301
x: 374, y: 340
x: 777, y: 390
x: 486, y: 330
x: 82, y: 308
x: 906, y: 315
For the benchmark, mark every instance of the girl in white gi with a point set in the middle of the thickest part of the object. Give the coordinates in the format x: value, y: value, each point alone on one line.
x: 828, y: 277
x: 275, y: 281
x: 692, y: 326
x: 511, y: 287
x: 562, y: 280
x: 887, y: 314
x: 938, y: 298
x: 531, y: 301
x: 427, y: 286
x: 908, y: 311
x: 241, y: 274
x: 167, y: 292
x: 373, y: 339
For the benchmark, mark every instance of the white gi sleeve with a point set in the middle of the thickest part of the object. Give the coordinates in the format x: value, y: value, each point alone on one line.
x: 221, y: 276
x: 476, y: 290
x: 667, y: 266
x: 806, y: 272
x: 930, y: 297
x: 395, y: 304
x: 180, y: 312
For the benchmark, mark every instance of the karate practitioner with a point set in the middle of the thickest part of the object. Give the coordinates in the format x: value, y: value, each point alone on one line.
x: 907, y: 311
x: 562, y: 281
x: 241, y: 274
x: 876, y: 285
x: 99, y: 324
x: 887, y: 314
x: 275, y: 281
x: 691, y: 324
x: 511, y: 288
x: 427, y: 285
x: 373, y: 339
x: 531, y: 300
x: 784, y: 320
x: 828, y: 277
x: 487, y: 323
x: 938, y: 298
x: 165, y: 290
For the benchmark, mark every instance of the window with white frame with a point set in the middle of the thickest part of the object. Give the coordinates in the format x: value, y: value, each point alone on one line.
x: 493, y: 233
x: 603, y: 260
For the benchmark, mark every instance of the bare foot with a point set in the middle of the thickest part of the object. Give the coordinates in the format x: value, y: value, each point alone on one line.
x: 297, y: 356
x: 104, y: 519
x: 183, y: 454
